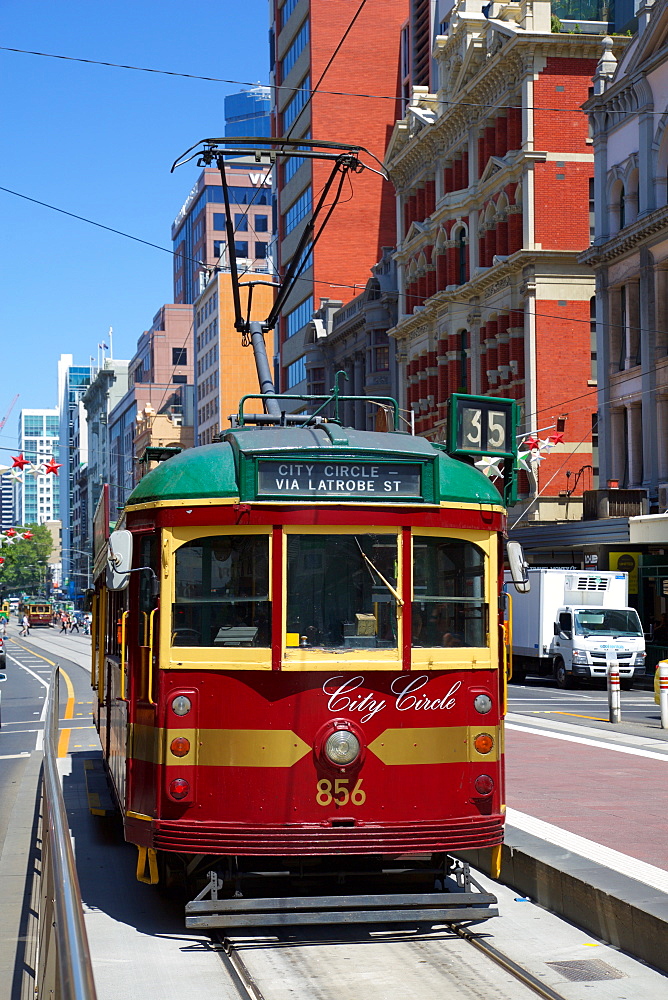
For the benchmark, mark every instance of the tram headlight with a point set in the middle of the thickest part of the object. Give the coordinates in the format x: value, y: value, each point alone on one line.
x: 342, y: 747
x: 484, y: 785
x: 483, y: 704
x: 181, y: 705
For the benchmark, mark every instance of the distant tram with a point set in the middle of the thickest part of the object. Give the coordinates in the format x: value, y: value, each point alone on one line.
x: 39, y: 611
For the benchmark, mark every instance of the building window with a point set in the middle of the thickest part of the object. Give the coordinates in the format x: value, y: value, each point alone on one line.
x: 463, y: 362
x: 285, y: 12
x: 296, y: 319
x: 241, y: 223
x: 179, y: 379
x: 592, y: 211
x: 293, y: 108
x: 461, y: 257
x: 622, y: 209
x: 218, y: 248
x: 179, y: 356
x: 219, y: 221
x: 260, y: 251
x: 241, y: 248
x: 295, y: 50
x: 261, y: 223
x: 297, y: 211
x: 296, y: 372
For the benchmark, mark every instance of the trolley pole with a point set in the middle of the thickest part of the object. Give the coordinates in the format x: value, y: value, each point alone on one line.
x: 663, y: 692
x: 614, y: 696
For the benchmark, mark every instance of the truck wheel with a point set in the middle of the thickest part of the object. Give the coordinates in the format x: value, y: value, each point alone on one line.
x: 563, y: 679
x: 626, y: 685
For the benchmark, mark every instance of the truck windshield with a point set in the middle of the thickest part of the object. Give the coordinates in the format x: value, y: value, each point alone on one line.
x: 604, y: 621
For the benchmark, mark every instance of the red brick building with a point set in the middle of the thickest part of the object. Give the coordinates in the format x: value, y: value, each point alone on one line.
x: 306, y: 35
x: 493, y: 176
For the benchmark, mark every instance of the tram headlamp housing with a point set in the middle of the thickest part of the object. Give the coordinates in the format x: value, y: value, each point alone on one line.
x: 181, y: 705
x: 342, y: 747
x: 179, y: 788
x: 483, y: 704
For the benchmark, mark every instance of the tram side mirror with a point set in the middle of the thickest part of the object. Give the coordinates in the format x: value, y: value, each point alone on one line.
x: 518, y: 567
x: 119, y: 560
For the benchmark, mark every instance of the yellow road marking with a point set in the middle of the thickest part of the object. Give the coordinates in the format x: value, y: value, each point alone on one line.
x: 576, y: 716
x: 38, y: 655
x: 63, y: 742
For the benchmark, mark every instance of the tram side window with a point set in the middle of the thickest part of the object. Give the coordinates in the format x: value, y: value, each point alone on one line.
x: 449, y: 607
x: 222, y: 592
x: 147, y: 555
x: 337, y: 598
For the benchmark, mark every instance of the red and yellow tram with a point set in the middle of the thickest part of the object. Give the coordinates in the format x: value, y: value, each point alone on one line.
x: 307, y: 663
x: 38, y: 611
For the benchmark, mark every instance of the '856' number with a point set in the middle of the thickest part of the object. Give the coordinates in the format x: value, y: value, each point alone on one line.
x: 338, y: 791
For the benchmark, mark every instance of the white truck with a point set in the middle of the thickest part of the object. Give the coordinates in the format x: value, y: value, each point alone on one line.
x: 570, y: 623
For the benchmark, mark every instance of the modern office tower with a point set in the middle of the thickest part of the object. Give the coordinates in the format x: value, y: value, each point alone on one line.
x: 224, y: 369
x: 159, y: 374
x: 73, y: 380
x: 248, y: 113
x: 199, y: 231
x: 37, y: 497
x: 356, y: 101
x: 6, y: 502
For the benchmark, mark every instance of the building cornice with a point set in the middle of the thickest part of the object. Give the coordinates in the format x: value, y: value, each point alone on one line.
x: 628, y: 239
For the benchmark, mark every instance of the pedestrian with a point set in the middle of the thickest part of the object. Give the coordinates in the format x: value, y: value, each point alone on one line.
x: 63, y: 622
x: 25, y: 626
x: 74, y: 624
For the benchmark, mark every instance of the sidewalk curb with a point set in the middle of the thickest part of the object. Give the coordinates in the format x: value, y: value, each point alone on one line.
x: 620, y: 910
x: 20, y: 865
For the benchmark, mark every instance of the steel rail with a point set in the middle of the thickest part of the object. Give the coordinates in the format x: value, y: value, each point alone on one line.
x: 74, y: 978
x: 516, y: 970
x: 239, y: 973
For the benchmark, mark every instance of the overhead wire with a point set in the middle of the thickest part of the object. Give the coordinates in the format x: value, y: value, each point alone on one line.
x: 277, y: 87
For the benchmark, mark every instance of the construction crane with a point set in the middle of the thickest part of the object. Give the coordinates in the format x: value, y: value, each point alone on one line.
x: 9, y: 410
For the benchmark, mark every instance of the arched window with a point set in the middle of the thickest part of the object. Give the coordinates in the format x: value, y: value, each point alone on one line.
x: 463, y: 363
x: 461, y: 257
x: 622, y: 209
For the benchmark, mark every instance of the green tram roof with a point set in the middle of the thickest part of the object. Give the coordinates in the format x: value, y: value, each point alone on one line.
x: 227, y: 469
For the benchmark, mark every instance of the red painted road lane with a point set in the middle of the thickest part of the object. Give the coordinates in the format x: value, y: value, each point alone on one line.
x: 616, y: 799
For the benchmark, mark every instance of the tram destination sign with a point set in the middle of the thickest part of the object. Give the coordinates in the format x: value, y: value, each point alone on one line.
x: 343, y: 480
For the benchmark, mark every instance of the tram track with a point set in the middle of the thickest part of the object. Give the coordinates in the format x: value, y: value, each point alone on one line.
x: 248, y: 987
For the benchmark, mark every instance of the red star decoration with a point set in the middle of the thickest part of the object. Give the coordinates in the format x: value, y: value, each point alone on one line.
x: 556, y: 438
x: 52, y: 466
x: 531, y: 443
x: 19, y: 462
x: 27, y: 534
x: 1, y: 561
x: 10, y: 532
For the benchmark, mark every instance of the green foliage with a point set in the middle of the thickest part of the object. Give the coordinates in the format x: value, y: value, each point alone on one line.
x: 556, y: 24
x: 26, y: 560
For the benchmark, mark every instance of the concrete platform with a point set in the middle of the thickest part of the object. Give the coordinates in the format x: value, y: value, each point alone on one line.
x: 585, y: 834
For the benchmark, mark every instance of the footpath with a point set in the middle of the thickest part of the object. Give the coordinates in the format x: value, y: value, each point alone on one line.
x: 586, y: 831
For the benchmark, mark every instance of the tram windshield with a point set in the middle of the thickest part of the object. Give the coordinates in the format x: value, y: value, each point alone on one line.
x: 222, y: 592
x: 449, y: 607
x: 342, y: 591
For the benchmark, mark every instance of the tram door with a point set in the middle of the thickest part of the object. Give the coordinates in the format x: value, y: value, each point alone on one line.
x: 142, y: 659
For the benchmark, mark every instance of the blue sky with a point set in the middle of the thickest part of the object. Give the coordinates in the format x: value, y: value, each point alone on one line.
x: 99, y: 142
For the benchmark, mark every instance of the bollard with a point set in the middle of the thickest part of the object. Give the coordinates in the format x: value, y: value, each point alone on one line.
x: 614, y: 696
x: 663, y: 692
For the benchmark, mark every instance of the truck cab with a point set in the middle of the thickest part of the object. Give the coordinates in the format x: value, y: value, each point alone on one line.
x: 587, y: 638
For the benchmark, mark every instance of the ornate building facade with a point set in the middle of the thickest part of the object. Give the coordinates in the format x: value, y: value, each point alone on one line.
x: 629, y: 116
x: 493, y: 175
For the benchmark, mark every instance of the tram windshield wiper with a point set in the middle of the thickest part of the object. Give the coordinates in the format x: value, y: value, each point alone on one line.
x: 374, y: 568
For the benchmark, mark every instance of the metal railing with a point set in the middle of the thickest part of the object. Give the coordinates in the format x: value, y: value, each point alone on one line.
x: 64, y: 969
